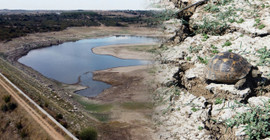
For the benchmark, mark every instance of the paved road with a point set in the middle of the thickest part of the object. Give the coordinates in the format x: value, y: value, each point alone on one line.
x: 36, y: 116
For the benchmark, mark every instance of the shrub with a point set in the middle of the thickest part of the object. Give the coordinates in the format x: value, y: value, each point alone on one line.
x: 218, y: 101
x: 7, y: 98
x: 210, y: 27
x: 211, y: 8
x: 264, y: 55
x: 203, y: 60
x: 227, y: 43
x: 200, y: 128
x: 23, y: 133
x: 241, y: 20
x: 19, y: 125
x: 59, y: 116
x: 64, y: 123
x: 88, y: 134
x: 261, y: 26
x: 12, y: 106
x: 4, y: 108
x: 194, y: 109
x: 255, y: 121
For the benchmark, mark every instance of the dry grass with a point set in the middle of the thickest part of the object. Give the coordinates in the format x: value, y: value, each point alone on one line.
x: 9, y: 123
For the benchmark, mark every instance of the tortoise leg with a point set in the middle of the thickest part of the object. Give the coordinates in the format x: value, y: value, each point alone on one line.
x: 240, y: 83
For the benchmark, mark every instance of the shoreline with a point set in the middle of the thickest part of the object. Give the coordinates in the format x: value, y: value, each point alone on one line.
x: 121, y: 51
x: 20, y: 46
x: 117, y: 51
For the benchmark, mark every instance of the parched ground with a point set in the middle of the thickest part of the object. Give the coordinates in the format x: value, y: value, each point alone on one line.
x: 131, y: 94
x: 131, y: 98
x: 190, y: 108
x: 133, y: 51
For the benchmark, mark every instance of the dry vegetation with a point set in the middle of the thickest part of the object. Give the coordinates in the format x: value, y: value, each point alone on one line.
x: 17, y: 124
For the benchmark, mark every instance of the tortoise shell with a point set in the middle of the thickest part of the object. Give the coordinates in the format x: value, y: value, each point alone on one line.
x: 227, y: 67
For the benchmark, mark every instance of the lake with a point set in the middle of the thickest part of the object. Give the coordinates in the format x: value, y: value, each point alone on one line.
x: 74, y: 62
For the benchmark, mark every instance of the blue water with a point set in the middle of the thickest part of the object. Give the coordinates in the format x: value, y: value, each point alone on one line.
x: 74, y: 62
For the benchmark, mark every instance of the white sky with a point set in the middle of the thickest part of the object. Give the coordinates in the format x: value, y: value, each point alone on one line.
x: 75, y: 4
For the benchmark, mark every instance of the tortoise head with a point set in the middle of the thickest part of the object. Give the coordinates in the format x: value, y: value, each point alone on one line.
x: 255, y: 72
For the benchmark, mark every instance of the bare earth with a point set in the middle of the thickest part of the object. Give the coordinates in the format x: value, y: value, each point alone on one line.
x: 121, y: 51
x: 129, y: 84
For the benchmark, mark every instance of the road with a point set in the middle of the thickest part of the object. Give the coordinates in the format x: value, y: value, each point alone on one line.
x: 32, y: 112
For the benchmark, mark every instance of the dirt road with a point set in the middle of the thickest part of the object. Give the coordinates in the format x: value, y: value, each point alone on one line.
x: 36, y: 116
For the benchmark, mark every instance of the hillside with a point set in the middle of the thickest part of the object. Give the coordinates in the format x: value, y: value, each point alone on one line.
x: 188, y: 107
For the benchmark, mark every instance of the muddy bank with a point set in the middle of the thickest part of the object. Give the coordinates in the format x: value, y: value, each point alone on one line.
x: 128, y: 84
x: 131, y: 93
x: 124, y: 51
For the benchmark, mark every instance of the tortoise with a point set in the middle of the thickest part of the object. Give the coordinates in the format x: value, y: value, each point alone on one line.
x: 231, y: 68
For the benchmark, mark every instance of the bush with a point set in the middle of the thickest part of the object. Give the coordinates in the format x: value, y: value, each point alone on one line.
x: 59, y: 116
x: 4, y: 108
x: 211, y: 27
x: 255, y: 121
x: 7, y: 98
x: 12, y: 106
x: 23, y: 133
x: 64, y: 123
x: 88, y: 134
x: 19, y: 125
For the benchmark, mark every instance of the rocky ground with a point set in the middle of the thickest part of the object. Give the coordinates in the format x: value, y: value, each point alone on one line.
x: 187, y: 106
